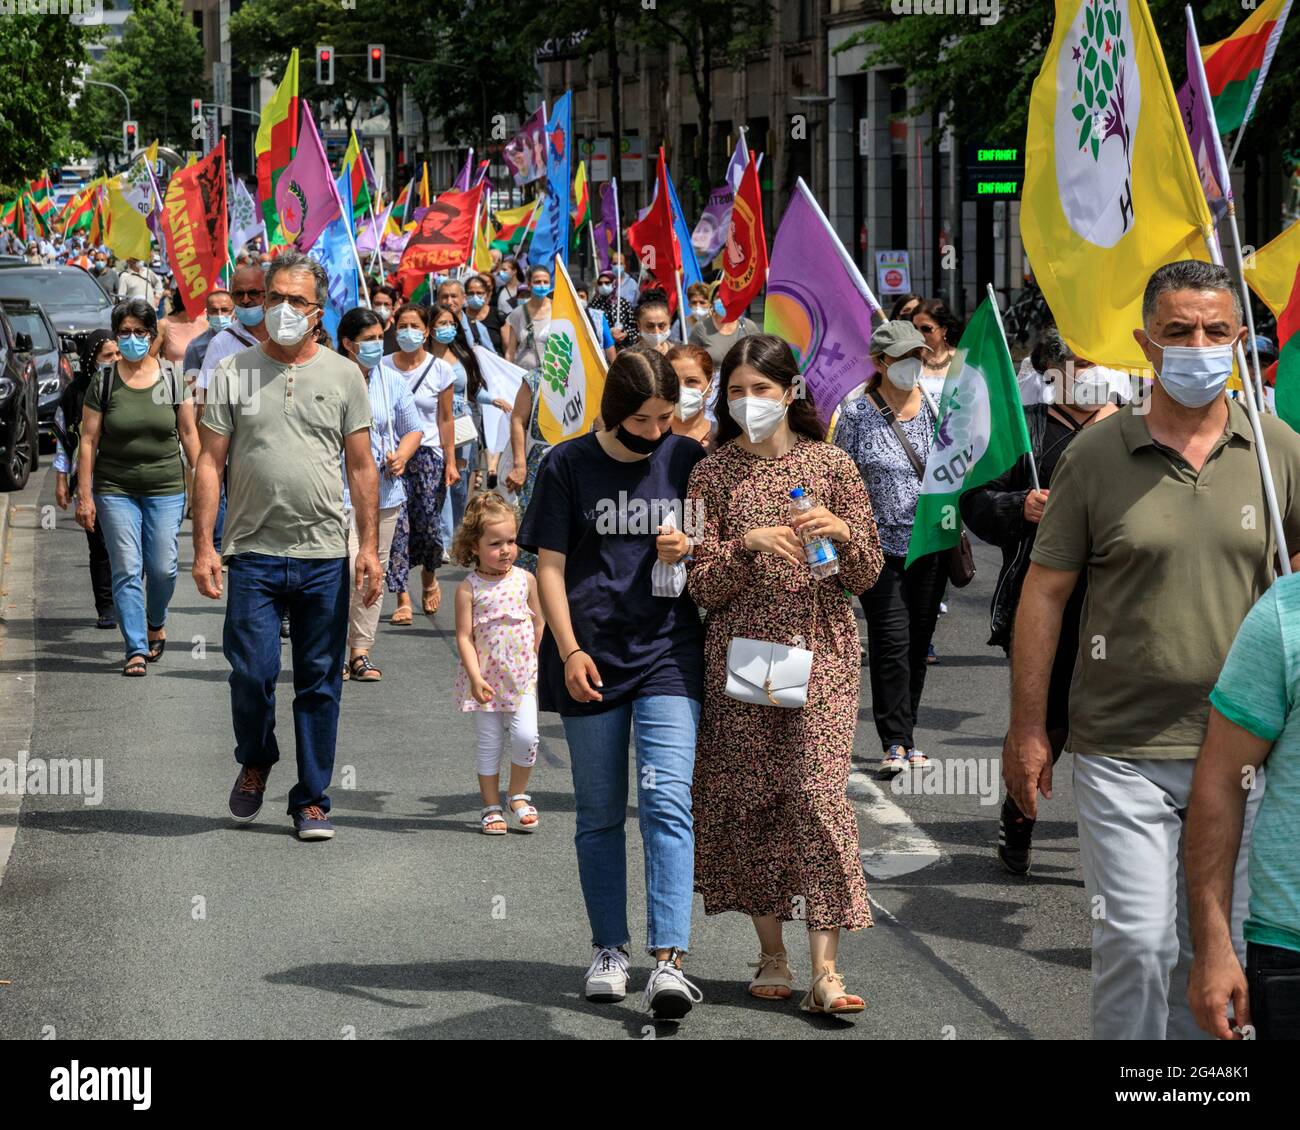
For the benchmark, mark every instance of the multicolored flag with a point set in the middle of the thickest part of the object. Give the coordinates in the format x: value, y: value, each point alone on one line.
x: 581, y: 197
x: 277, y: 139
x: 195, y: 227
x: 606, y: 231
x: 525, y: 153
x: 1236, y: 67
x: 654, y: 238
x: 482, y: 261
x: 1273, y: 273
x: 573, y: 366
x: 442, y: 240
x: 359, y: 187
x: 819, y: 303
x: 744, y: 262
x: 551, y: 231
x: 306, y: 201
x: 1198, y: 119
x: 1111, y: 191
x: 510, y: 225
x: 245, y: 223
x: 980, y: 435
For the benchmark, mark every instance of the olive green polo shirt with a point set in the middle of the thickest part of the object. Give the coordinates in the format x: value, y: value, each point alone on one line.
x: 1175, y: 560
x: 286, y: 423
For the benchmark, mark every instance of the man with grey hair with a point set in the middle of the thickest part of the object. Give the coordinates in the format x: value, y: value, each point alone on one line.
x: 276, y: 418
x: 1166, y: 512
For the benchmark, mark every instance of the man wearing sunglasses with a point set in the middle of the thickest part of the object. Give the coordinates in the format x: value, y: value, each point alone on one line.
x: 249, y: 327
x: 277, y: 416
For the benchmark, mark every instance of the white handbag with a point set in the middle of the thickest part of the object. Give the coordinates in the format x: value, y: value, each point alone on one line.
x: 768, y: 674
x: 463, y: 431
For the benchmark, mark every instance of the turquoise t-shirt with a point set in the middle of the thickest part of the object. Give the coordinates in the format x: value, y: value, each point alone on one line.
x: 1257, y: 689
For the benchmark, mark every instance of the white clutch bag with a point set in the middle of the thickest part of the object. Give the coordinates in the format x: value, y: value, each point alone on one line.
x: 768, y: 674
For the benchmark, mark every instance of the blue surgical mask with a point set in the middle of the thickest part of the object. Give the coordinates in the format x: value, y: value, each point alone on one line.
x: 502, y: 277
x: 1194, y: 375
x: 445, y: 334
x: 718, y: 308
x: 250, y: 315
x: 475, y: 301
x: 133, y: 346
x: 439, y: 279
x: 409, y: 340
x: 370, y: 353
x: 541, y: 291
x: 606, y: 289
x: 219, y: 322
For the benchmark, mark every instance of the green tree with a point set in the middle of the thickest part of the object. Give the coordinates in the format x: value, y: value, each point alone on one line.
x: 40, y: 61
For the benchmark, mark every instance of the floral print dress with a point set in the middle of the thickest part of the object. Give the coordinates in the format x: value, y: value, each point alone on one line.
x: 504, y: 640
x: 775, y: 832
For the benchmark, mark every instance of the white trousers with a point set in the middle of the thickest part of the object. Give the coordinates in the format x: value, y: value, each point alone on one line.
x: 1131, y: 817
x: 498, y: 728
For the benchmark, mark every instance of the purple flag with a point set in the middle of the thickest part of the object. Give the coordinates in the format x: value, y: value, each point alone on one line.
x: 1197, y: 108
x: 305, y: 196
x: 711, y: 230
x: 461, y: 183
x: 605, y: 229
x: 370, y: 232
x: 525, y: 153
x: 816, y: 304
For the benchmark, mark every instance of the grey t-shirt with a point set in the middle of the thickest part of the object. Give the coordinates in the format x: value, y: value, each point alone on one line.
x: 287, y: 423
x: 716, y: 342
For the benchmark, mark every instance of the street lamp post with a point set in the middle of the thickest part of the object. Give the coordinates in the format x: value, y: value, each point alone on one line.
x: 96, y: 82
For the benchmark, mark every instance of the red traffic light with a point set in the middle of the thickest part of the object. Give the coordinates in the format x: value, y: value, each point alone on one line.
x: 325, y: 56
x: 376, y: 53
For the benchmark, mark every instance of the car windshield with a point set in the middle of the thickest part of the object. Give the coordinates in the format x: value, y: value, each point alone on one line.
x: 55, y: 290
x: 30, y: 322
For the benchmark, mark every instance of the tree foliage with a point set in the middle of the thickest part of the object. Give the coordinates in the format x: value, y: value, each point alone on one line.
x: 40, y: 63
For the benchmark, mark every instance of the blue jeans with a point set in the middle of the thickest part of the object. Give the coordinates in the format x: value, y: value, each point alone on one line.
x: 314, y: 594
x: 665, y: 762
x: 220, y: 524
x: 140, y: 533
x: 453, y: 507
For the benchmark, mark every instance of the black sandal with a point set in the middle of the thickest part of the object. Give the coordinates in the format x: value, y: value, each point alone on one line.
x: 156, y: 647
x: 363, y: 671
x: 135, y: 667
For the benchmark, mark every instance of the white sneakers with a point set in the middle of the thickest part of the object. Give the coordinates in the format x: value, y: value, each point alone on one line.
x: 668, y: 994
x: 607, y: 976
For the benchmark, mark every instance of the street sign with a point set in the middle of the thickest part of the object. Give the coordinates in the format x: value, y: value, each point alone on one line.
x: 893, y: 272
x: 220, y: 85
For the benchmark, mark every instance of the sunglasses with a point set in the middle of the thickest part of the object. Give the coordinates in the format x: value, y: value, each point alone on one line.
x: 925, y: 329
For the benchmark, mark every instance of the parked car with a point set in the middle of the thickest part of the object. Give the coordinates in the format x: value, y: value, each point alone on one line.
x: 19, y: 427
x: 55, y: 357
x: 75, y: 303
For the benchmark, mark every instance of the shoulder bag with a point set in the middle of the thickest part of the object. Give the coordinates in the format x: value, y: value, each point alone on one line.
x: 961, y: 561
x: 771, y: 674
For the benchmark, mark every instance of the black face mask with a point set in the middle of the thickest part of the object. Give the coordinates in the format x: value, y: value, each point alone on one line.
x: 639, y: 444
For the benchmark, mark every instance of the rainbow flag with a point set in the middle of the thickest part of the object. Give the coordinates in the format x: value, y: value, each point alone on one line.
x: 357, y: 179
x: 1275, y: 277
x: 510, y: 226
x: 277, y: 139
x: 1236, y: 67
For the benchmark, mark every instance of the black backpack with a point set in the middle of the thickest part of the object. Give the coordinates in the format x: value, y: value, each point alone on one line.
x: 169, y: 383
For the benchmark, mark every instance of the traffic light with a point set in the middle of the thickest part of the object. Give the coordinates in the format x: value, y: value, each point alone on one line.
x: 129, y: 132
x: 324, y: 66
x: 375, y: 56
x: 196, y: 109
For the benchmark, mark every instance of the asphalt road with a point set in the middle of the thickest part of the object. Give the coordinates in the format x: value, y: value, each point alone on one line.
x: 150, y: 915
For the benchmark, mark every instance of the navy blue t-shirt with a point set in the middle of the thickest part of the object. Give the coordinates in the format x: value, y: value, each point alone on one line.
x: 603, y: 515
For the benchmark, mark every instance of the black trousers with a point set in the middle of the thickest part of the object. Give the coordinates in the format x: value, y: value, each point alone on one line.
x: 901, y: 609
x: 1273, y: 980
x: 101, y: 572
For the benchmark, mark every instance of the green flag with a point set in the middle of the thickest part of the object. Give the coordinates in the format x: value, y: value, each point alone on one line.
x: 981, y: 432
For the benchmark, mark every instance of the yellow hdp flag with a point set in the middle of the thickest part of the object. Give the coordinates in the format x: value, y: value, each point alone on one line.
x: 573, y: 367
x: 128, y: 234
x: 1111, y: 191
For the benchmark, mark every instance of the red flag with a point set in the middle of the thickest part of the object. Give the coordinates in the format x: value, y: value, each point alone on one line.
x: 443, y: 239
x: 744, y: 255
x: 654, y: 240
x: 194, y: 226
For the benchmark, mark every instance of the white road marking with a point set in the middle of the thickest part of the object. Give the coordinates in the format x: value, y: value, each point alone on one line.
x: 907, y: 848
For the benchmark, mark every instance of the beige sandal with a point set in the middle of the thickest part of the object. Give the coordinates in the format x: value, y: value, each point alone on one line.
x: 763, y: 981
x: 834, y: 1000
x: 431, y: 600
x: 405, y: 614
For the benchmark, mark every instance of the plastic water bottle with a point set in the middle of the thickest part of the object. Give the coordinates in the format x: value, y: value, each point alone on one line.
x: 819, y: 550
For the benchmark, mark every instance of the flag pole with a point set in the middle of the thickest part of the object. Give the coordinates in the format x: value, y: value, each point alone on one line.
x: 618, y: 267
x: 681, y: 307
x: 591, y: 231
x: 997, y: 314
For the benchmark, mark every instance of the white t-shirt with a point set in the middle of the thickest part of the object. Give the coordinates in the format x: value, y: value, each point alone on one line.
x: 438, y: 377
x: 231, y: 340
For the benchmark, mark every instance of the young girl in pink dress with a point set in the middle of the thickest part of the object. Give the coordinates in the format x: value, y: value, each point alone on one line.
x: 498, y: 627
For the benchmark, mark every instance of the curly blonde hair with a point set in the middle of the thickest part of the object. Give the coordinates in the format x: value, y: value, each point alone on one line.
x: 482, y: 508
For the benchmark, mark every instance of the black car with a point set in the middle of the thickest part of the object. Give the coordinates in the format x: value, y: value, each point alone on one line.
x: 19, y: 427
x: 55, y: 357
x: 75, y: 303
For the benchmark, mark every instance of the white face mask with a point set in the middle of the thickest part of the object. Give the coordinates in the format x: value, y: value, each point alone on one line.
x: 689, y: 403
x: 286, y: 326
x: 1091, y: 387
x: 654, y: 339
x: 758, y: 416
x: 904, y: 374
x: 700, y: 311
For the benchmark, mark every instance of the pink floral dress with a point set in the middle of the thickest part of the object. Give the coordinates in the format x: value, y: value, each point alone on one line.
x: 504, y: 640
